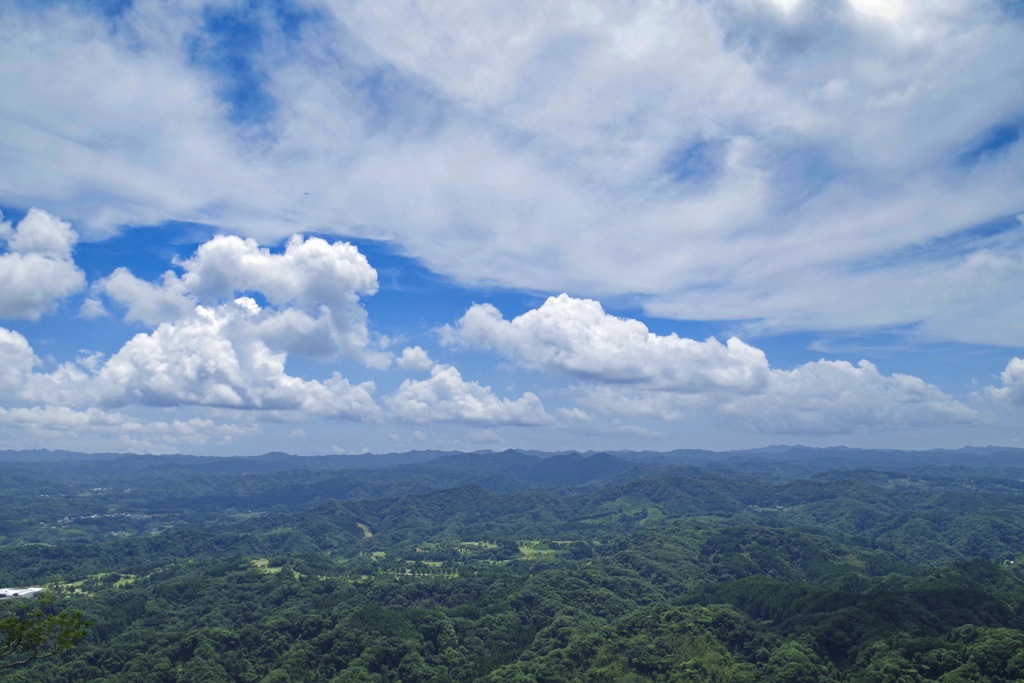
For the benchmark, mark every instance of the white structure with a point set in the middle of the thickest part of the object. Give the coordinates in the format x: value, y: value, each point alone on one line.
x: 7, y: 593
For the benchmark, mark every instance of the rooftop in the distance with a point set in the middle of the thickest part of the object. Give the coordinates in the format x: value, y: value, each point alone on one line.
x: 8, y: 593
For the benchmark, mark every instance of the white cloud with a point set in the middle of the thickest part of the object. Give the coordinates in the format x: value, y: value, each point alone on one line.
x: 858, y: 104
x: 1012, y: 377
x: 92, y: 308
x: 90, y: 360
x: 414, y: 359
x: 68, y: 384
x: 146, y: 302
x: 447, y: 397
x: 627, y: 402
x: 634, y: 372
x: 58, y: 418
x: 37, y: 272
x: 736, y: 161
x: 309, y: 273
x: 110, y: 123
x: 63, y: 427
x: 884, y: 9
x: 209, y: 359
x: 194, y: 430
x: 819, y: 398
x: 723, y: 158
x: 312, y: 291
x: 32, y: 284
x: 40, y: 233
x: 16, y: 361
x: 576, y: 336
x: 958, y: 297
x: 574, y: 414
x: 827, y: 397
x: 228, y: 355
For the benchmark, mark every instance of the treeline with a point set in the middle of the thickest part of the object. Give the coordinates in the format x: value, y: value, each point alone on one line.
x: 605, y: 619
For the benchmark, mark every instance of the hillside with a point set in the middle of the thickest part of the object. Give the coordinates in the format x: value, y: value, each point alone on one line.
x: 782, y: 565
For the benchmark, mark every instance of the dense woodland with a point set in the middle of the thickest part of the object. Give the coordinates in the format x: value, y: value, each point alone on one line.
x: 783, y: 564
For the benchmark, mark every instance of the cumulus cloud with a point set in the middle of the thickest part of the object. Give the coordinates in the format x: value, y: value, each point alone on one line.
x: 828, y: 397
x: 320, y: 278
x: 312, y: 293
x: 210, y: 347
x: 208, y: 359
x: 447, y: 397
x: 309, y: 272
x: 574, y: 414
x: 92, y: 308
x: 414, y: 358
x: 16, y: 361
x: 578, y: 337
x: 40, y: 233
x: 634, y: 372
x: 1012, y: 377
x: 819, y: 398
x: 145, y: 302
x: 37, y: 271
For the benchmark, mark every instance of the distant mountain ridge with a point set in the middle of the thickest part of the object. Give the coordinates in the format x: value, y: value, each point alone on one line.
x: 356, y: 461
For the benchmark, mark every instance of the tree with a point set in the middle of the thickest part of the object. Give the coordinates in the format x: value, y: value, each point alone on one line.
x: 37, y: 631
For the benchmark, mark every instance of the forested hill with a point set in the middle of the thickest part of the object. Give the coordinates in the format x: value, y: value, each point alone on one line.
x: 773, y: 462
x: 781, y: 564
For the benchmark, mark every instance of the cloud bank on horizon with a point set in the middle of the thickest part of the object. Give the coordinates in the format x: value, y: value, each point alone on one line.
x: 774, y: 174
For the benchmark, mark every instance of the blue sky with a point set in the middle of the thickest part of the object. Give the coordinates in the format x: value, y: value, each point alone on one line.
x: 235, y: 226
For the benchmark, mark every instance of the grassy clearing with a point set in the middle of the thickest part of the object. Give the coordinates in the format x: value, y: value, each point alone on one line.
x: 628, y: 505
x: 93, y: 582
x: 263, y: 564
x: 855, y: 561
x: 535, y: 550
x: 654, y: 514
x: 247, y: 515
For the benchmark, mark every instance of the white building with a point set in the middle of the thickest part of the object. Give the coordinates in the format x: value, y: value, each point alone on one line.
x: 7, y: 593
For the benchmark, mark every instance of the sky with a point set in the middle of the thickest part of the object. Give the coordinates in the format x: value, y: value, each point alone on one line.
x: 333, y: 226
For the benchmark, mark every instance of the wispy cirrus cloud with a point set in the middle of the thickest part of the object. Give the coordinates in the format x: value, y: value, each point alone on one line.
x: 60, y: 426
x: 726, y: 161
